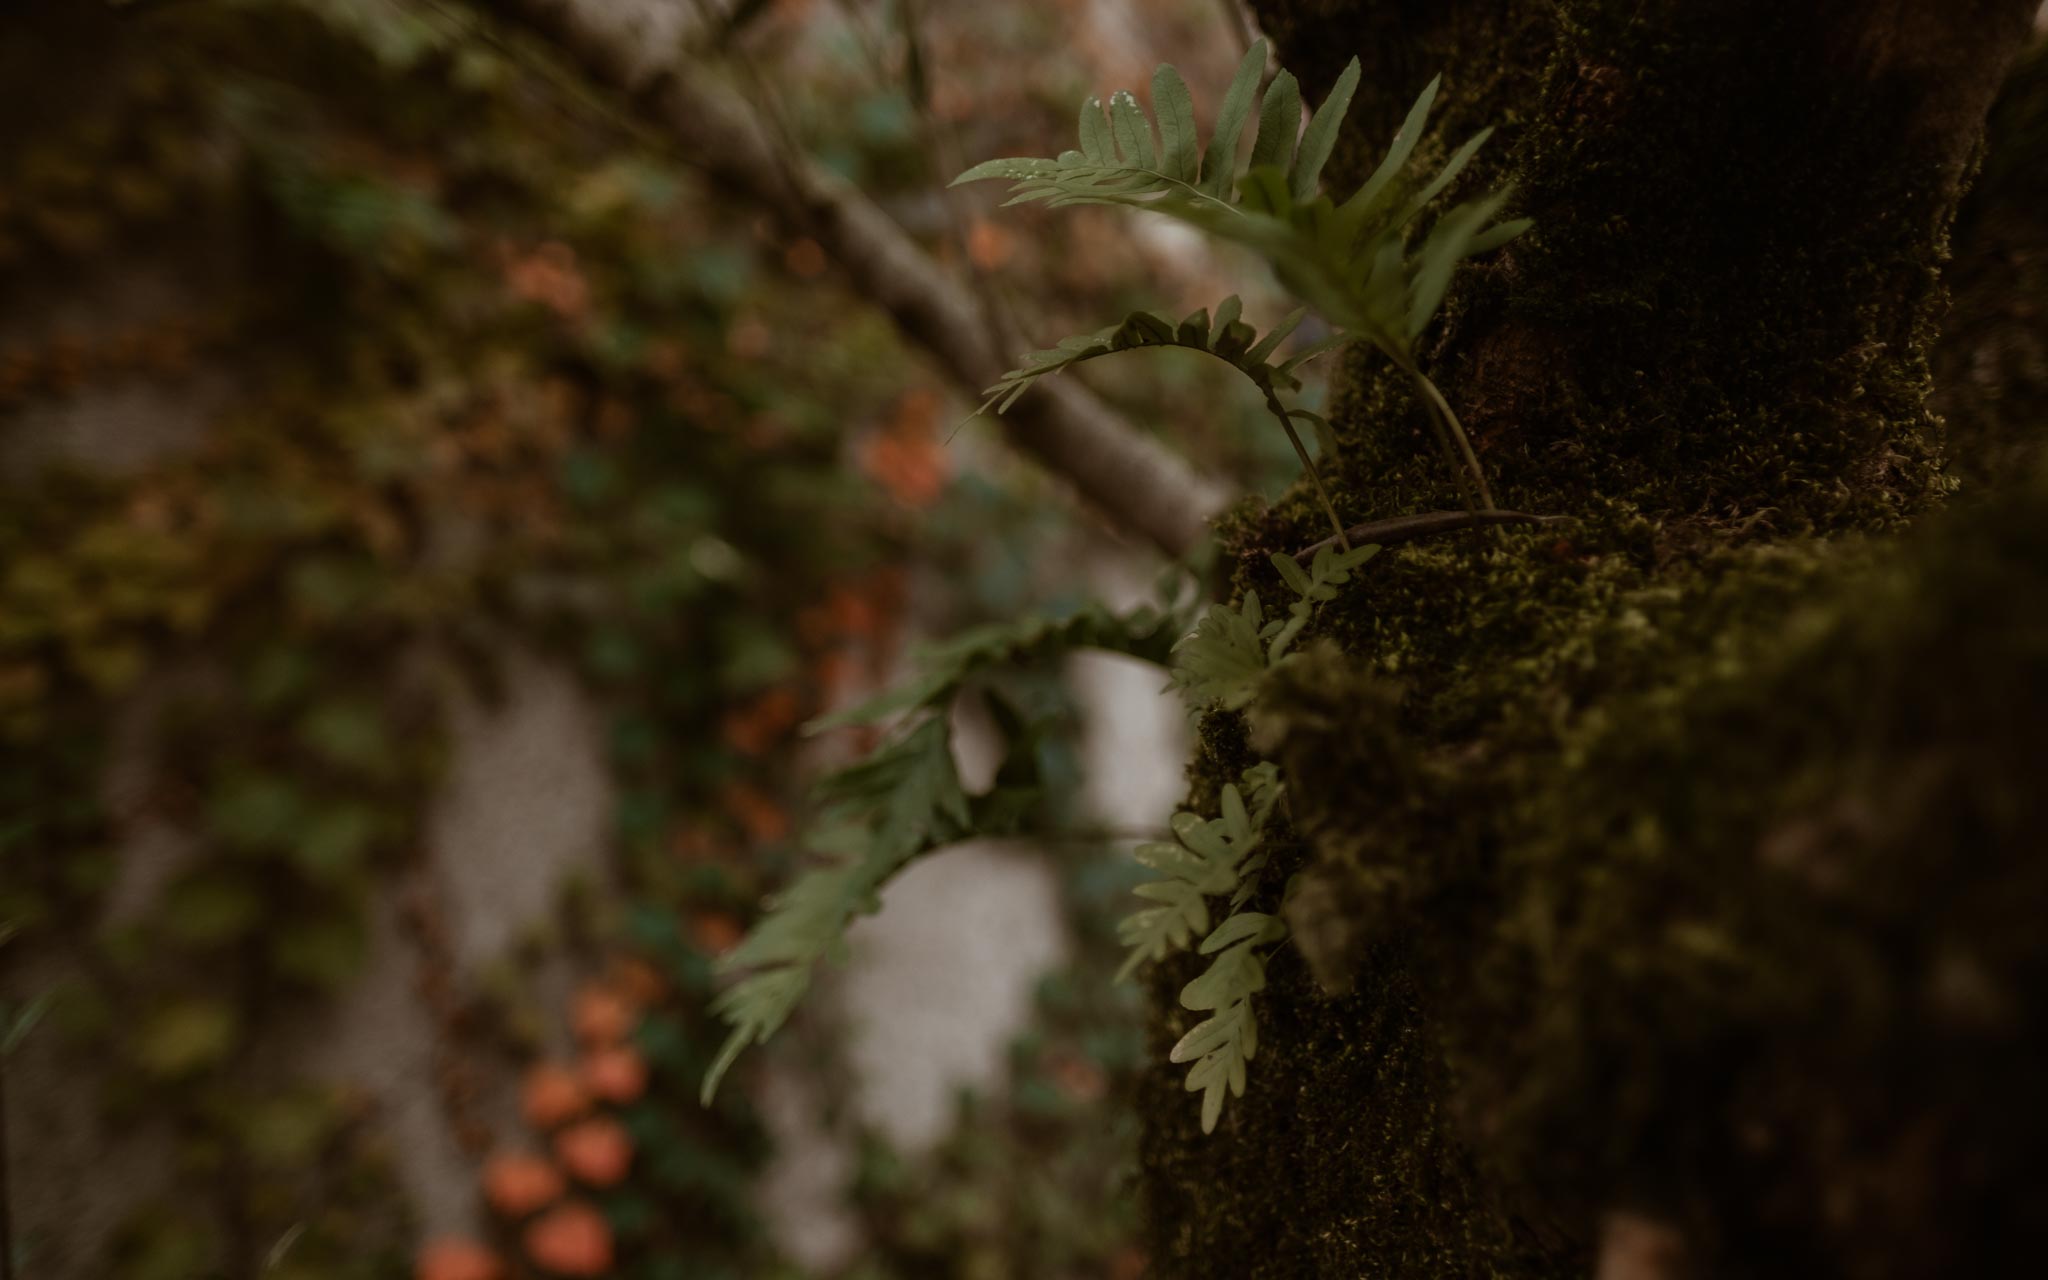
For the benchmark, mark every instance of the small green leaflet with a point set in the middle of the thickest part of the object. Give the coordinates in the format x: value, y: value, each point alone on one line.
x: 1209, y: 858
x: 1221, y: 1044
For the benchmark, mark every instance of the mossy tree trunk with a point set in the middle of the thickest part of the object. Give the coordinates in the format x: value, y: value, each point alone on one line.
x: 1666, y: 898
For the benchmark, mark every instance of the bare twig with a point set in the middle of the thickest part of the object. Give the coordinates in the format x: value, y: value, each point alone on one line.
x: 1424, y: 525
x: 1138, y: 482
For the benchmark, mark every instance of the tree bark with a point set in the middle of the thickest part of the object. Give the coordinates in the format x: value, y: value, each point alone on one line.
x: 1659, y: 874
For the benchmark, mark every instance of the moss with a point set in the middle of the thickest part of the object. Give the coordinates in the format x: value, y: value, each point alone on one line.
x: 1992, y: 361
x: 1564, y: 790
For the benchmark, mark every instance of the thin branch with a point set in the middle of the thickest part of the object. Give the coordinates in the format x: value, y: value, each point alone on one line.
x: 1131, y: 477
x: 1424, y: 525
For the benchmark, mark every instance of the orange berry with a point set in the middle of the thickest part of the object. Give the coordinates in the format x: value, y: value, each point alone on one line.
x: 454, y: 1258
x: 615, y: 1074
x: 520, y: 1183
x: 638, y: 981
x: 716, y: 932
x: 571, y: 1239
x: 757, y: 813
x: 552, y: 1095
x: 596, y: 1152
x: 601, y: 1015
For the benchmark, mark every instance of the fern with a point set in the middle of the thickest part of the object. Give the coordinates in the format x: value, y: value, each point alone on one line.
x: 1230, y: 650
x: 1221, y: 1044
x: 1227, y: 338
x: 881, y: 813
x: 1208, y: 859
x: 1315, y: 585
x: 904, y: 799
x: 1145, y: 632
x: 1353, y: 261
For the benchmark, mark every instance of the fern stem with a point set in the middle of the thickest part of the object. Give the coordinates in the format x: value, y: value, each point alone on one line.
x: 1440, y: 408
x: 1308, y: 464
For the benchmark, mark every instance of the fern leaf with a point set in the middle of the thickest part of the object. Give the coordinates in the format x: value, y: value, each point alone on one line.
x: 1321, y: 136
x: 1222, y: 1044
x: 1133, y: 132
x: 1225, y: 337
x: 1180, y: 155
x: 893, y: 805
x: 1363, y: 201
x: 1209, y: 858
x: 1223, y: 658
x: 1097, y: 144
x: 906, y: 798
x: 1219, y: 164
x: 1350, y: 261
x: 1279, y: 124
x: 1144, y: 632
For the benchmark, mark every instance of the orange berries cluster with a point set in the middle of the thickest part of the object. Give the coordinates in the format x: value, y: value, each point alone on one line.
x: 907, y: 456
x: 852, y: 634
x: 538, y: 1194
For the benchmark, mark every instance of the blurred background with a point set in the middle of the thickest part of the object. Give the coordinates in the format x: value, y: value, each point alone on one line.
x: 430, y: 506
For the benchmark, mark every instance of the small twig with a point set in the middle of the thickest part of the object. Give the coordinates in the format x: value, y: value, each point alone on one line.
x: 1426, y: 524
x: 1308, y: 464
x: 1450, y: 428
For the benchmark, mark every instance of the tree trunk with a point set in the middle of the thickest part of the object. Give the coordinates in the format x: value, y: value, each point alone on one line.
x: 1666, y: 878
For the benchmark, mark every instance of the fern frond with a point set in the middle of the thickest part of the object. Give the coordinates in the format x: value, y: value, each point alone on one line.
x: 1315, y: 585
x: 906, y: 798
x: 1144, y: 632
x: 1227, y: 338
x: 1351, y: 261
x: 1221, y: 1044
x: 887, y: 809
x: 1209, y: 858
x: 1223, y: 659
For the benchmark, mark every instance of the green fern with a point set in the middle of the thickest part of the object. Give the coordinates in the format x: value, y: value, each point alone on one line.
x: 943, y: 668
x: 1230, y: 650
x: 1221, y: 1044
x: 1353, y: 261
x: 1209, y: 858
x: 880, y: 813
x: 1227, y: 338
x: 1223, y: 659
x: 1315, y: 585
x: 904, y: 799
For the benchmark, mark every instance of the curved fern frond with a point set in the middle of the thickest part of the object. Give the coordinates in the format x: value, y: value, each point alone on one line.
x: 1227, y: 338
x: 1145, y: 632
x: 905, y: 799
x: 884, y: 811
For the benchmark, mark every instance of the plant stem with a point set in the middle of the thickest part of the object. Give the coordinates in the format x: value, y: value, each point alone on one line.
x: 1441, y: 408
x: 1308, y: 464
x: 1427, y: 524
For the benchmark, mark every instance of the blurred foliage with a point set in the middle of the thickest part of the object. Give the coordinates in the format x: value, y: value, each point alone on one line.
x: 475, y: 372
